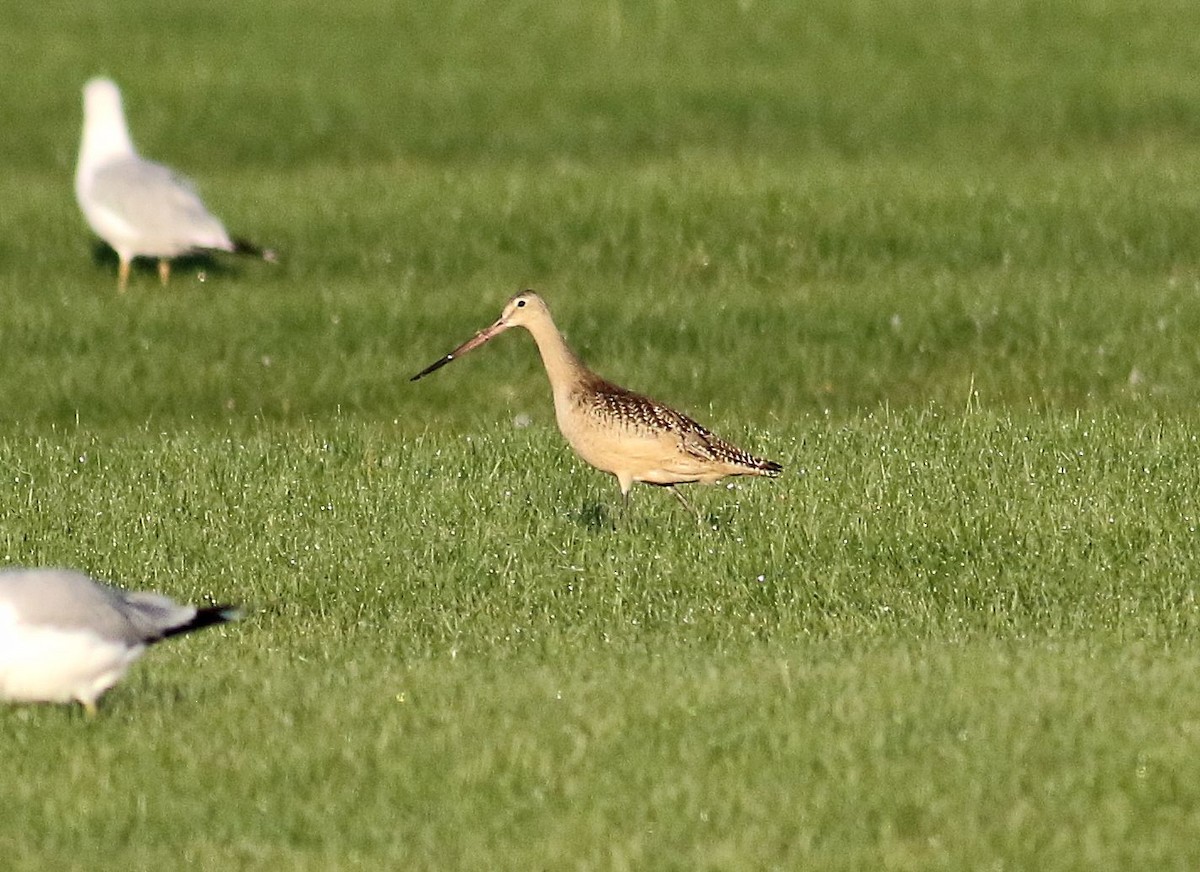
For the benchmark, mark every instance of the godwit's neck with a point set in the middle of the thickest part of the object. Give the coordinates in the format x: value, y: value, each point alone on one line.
x: 563, y: 368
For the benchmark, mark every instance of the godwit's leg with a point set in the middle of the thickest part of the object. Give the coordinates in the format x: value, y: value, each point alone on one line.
x: 685, y: 503
x: 164, y: 271
x: 626, y: 482
x: 122, y: 274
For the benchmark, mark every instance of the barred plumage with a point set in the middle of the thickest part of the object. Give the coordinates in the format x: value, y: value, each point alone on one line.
x: 625, y: 408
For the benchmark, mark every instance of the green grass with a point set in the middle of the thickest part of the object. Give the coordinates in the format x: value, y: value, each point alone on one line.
x: 940, y: 260
x: 842, y: 673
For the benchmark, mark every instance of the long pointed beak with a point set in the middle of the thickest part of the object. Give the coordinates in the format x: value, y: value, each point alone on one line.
x: 474, y: 342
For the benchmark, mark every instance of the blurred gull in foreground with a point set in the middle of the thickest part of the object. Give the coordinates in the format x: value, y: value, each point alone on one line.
x: 139, y: 207
x: 65, y: 637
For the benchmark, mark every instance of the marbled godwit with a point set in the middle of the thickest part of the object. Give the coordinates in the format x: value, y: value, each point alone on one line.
x: 66, y: 637
x: 140, y: 208
x: 617, y: 431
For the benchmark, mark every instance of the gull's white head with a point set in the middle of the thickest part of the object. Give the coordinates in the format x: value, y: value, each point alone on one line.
x: 101, y: 97
x: 105, y: 134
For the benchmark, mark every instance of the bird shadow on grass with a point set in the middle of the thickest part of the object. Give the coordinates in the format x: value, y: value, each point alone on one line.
x: 595, y: 517
x: 599, y: 517
x: 200, y: 262
x: 602, y: 518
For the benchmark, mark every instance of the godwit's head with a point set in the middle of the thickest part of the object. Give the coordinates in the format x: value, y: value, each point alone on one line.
x: 523, y: 310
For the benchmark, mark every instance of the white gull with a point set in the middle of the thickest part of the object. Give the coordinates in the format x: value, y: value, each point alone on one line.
x: 64, y: 636
x: 139, y: 207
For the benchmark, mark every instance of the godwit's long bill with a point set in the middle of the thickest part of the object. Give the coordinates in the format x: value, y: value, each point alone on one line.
x: 617, y: 431
x: 471, y: 344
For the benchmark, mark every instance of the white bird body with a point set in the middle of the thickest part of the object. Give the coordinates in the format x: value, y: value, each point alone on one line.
x: 142, y: 209
x: 64, y: 636
x: 139, y: 207
x: 55, y: 664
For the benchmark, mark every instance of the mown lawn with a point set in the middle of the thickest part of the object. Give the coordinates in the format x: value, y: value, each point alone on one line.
x: 940, y: 260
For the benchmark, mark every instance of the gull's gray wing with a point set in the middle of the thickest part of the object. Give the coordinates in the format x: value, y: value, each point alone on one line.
x: 155, y: 202
x: 67, y: 599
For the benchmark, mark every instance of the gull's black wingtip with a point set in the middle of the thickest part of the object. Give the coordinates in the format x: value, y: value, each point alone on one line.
x: 246, y: 247
x: 208, y: 616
